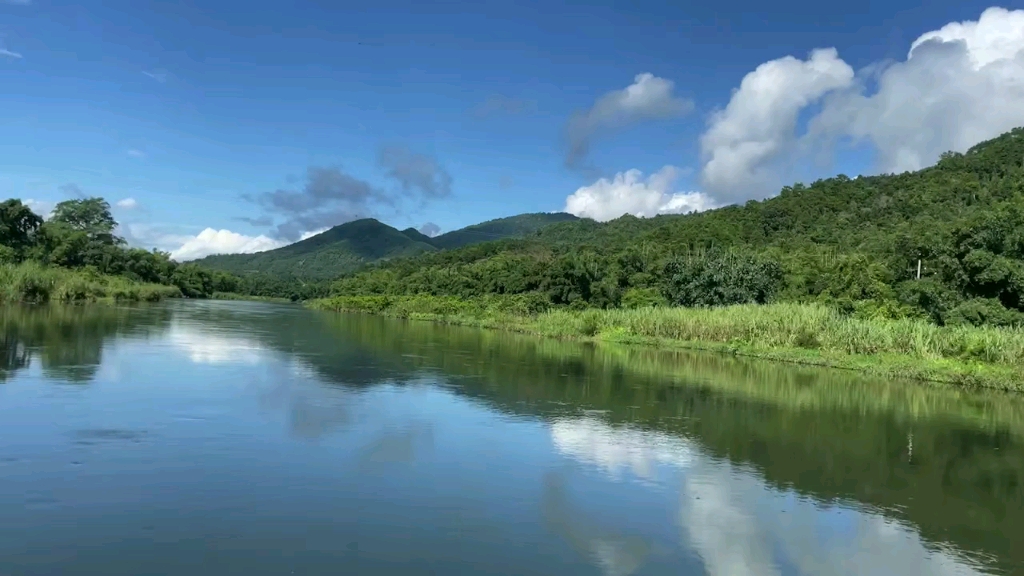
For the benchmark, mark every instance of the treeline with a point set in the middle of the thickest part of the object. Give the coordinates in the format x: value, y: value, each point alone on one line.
x: 945, y: 243
x: 79, y: 235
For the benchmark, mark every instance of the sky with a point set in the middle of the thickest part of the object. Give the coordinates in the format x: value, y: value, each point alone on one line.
x: 234, y: 127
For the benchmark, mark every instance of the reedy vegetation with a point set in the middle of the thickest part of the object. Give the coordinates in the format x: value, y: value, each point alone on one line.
x: 31, y: 282
x: 816, y: 334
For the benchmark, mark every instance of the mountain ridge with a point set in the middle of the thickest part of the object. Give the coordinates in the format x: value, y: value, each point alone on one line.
x: 347, y: 246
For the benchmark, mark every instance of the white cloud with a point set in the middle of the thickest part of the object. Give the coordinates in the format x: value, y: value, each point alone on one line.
x: 312, y: 233
x: 630, y: 193
x: 127, y: 203
x: 757, y: 126
x: 647, y: 98
x: 959, y: 85
x: 43, y: 208
x: 211, y: 241
x: 9, y: 54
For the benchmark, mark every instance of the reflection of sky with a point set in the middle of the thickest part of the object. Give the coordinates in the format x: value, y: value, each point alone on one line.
x: 205, y: 346
x: 739, y: 526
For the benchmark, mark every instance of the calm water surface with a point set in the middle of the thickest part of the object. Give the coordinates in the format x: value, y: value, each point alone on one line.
x: 216, y: 438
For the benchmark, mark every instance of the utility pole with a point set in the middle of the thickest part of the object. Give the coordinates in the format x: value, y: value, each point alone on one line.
x: 918, y: 268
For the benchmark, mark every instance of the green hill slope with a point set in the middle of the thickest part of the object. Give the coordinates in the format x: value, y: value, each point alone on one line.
x: 511, y: 227
x: 348, y: 246
x: 855, y: 242
x: 326, y: 255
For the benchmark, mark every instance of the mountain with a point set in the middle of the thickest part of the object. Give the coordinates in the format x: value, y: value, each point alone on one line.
x: 348, y: 246
x: 511, y: 227
x: 945, y: 242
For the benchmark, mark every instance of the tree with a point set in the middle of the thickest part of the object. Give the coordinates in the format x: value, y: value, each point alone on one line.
x: 18, y: 226
x: 89, y: 215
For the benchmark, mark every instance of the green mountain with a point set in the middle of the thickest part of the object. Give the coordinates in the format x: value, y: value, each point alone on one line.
x: 348, y: 246
x: 856, y: 242
x: 511, y: 227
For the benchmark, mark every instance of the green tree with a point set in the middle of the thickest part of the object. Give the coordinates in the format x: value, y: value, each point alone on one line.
x: 89, y: 215
x: 18, y: 227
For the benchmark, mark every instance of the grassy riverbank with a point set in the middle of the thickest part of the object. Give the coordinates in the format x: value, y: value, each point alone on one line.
x: 803, y: 333
x: 247, y: 297
x: 33, y: 283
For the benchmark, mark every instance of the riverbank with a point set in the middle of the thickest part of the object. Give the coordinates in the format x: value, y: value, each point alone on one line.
x: 247, y: 297
x: 809, y: 334
x: 33, y: 283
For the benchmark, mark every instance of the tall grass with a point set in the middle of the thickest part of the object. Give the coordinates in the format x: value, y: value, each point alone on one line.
x: 30, y: 282
x: 805, y: 333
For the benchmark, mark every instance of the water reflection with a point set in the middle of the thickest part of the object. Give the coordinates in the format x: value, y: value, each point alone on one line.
x: 764, y: 469
x: 204, y: 344
x: 739, y: 528
x: 616, y: 553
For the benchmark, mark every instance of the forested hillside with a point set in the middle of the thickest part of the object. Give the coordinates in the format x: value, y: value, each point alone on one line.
x: 945, y: 243
x: 348, y: 246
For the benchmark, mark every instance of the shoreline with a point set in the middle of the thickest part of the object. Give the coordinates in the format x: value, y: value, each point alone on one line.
x: 615, y: 327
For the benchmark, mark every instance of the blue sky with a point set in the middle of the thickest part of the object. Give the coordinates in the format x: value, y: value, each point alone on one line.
x: 199, y: 113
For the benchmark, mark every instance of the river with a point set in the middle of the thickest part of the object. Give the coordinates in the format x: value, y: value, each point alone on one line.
x: 217, y: 438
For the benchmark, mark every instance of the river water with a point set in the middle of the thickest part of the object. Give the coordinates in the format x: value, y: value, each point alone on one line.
x: 220, y: 438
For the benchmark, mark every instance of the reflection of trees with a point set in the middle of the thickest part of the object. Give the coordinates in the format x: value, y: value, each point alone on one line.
x: 68, y: 340
x: 827, y: 434
x: 13, y: 357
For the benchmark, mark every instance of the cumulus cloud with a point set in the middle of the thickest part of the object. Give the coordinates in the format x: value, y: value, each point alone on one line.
x: 415, y: 172
x: 757, y: 126
x: 957, y: 86
x: 127, y: 203
x: 211, y: 241
x: 647, y: 98
x: 630, y: 193
x: 430, y: 229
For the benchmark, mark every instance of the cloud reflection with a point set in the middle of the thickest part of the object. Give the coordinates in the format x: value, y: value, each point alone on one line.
x: 205, y: 346
x: 615, y: 553
x: 739, y: 526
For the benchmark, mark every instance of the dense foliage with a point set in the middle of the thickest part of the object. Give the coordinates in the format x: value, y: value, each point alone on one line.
x: 945, y: 243
x: 80, y: 235
x: 347, y: 247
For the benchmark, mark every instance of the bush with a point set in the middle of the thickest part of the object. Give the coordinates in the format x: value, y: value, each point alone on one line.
x: 643, y: 298
x: 982, y: 311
